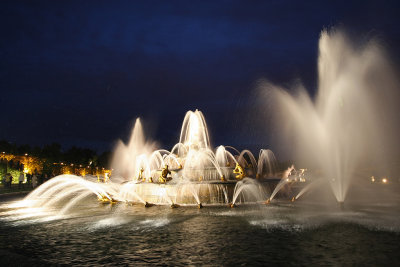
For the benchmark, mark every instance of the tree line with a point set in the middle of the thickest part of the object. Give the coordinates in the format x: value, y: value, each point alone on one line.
x: 54, y: 153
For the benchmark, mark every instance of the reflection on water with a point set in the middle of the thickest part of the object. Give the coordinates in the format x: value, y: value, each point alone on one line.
x: 294, y: 234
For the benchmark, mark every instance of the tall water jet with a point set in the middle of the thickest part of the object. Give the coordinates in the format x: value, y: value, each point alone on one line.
x: 349, y: 122
x: 125, y: 159
x: 194, y: 133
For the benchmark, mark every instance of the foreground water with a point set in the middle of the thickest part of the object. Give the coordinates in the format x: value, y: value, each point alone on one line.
x: 302, y: 233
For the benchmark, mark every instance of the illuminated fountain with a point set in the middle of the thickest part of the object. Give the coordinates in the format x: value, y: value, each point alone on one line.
x: 191, y: 173
x: 350, y: 123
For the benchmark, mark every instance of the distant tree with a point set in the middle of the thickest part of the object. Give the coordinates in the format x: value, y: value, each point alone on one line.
x: 52, y: 152
x: 7, y: 147
x: 79, y: 155
x: 94, y: 161
x: 87, y: 156
x: 23, y: 149
x: 36, y: 152
x: 104, y: 159
x: 47, y: 167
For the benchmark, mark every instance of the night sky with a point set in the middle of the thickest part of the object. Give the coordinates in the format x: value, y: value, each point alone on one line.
x: 80, y: 72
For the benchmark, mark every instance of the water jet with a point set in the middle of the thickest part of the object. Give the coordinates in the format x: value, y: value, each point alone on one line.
x: 336, y: 130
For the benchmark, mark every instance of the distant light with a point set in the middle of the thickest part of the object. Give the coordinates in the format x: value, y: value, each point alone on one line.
x: 372, y: 179
x: 384, y: 180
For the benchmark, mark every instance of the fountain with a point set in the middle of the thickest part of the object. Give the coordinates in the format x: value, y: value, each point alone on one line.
x: 191, y: 173
x: 349, y: 124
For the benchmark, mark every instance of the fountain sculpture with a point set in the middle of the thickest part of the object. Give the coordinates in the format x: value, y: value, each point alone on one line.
x: 191, y: 173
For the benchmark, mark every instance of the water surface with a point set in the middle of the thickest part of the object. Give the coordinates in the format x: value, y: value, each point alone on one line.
x: 300, y: 233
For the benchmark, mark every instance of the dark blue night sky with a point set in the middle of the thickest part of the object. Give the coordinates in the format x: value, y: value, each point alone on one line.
x: 80, y: 72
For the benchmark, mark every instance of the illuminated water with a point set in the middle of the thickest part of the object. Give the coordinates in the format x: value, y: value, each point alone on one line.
x: 195, y: 174
x: 352, y: 121
x: 293, y: 234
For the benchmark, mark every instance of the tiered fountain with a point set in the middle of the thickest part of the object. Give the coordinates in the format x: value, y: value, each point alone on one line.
x: 192, y: 173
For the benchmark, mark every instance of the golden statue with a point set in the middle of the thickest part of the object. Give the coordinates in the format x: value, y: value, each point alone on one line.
x: 140, y: 176
x: 164, y: 175
x: 106, y: 199
x: 239, y: 171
